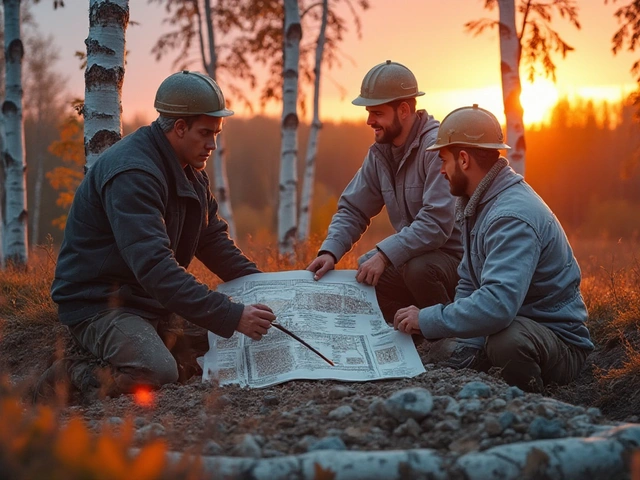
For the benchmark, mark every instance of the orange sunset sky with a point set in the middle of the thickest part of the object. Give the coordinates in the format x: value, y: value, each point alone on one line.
x: 454, y: 68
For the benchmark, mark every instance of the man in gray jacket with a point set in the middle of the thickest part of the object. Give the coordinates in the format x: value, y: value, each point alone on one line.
x: 416, y: 265
x: 139, y: 217
x: 519, y: 281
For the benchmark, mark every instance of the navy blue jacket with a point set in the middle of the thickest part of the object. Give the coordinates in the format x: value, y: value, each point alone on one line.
x: 137, y: 221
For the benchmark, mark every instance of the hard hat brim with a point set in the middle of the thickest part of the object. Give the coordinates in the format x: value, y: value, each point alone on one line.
x: 225, y: 112
x: 484, y: 146
x: 372, y: 102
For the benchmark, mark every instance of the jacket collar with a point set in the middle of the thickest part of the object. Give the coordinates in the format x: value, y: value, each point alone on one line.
x: 497, y: 179
x: 184, y: 187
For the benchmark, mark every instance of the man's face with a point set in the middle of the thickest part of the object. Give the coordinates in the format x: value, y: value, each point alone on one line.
x: 385, y: 123
x: 198, y: 141
x: 451, y: 170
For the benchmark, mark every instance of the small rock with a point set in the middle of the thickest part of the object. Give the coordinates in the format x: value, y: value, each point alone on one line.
x: 507, y: 419
x: 115, y: 421
x: 453, y: 409
x: 354, y: 434
x: 377, y: 408
x: 211, y: 448
x: 328, y: 443
x: 513, y: 392
x: 410, y: 428
x: 340, y: 412
x: 497, y: 404
x: 270, y: 400
x: 408, y: 403
x: 248, y: 447
x: 475, y: 390
x: 339, y: 392
x: 594, y: 412
x: 447, y: 426
x: 465, y: 444
x: 492, y: 426
x: 542, y: 428
x: 223, y: 401
x: 140, y: 422
x: 153, y: 430
x: 472, y: 406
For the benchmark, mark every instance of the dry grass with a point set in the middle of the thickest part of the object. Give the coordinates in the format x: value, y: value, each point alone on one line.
x: 611, y: 288
x: 611, y: 273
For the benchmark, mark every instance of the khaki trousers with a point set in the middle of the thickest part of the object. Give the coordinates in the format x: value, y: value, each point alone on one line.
x: 423, y: 281
x: 532, y: 355
x: 131, y: 346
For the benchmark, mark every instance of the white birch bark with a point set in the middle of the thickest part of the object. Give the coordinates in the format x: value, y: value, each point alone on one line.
x: 104, y: 75
x: 220, y: 179
x: 511, y: 87
x: 306, y: 199
x: 15, y: 213
x: 287, y: 217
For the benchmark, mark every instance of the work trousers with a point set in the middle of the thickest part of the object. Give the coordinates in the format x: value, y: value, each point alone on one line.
x: 532, y: 355
x: 425, y: 280
x: 133, y: 349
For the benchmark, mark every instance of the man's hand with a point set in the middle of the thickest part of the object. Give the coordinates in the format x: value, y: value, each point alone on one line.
x: 321, y: 265
x: 369, y: 272
x: 406, y: 320
x: 255, y: 321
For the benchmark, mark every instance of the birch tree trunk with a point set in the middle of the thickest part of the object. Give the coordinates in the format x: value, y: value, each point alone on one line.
x: 287, y: 217
x: 306, y: 200
x: 511, y: 87
x: 220, y: 179
x: 15, y: 214
x: 104, y: 75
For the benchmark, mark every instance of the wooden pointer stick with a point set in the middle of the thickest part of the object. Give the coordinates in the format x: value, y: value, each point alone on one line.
x: 297, y: 338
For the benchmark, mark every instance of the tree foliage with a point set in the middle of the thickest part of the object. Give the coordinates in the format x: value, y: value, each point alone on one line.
x: 538, y: 41
x: 65, y: 179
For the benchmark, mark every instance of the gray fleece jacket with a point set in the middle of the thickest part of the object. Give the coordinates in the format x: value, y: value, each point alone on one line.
x: 416, y: 195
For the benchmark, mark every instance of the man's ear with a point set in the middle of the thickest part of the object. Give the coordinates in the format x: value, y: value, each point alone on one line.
x: 403, y: 110
x: 464, y: 160
x: 180, y: 127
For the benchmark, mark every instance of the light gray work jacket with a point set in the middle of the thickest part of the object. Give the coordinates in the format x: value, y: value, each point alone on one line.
x: 517, y: 261
x: 420, y: 207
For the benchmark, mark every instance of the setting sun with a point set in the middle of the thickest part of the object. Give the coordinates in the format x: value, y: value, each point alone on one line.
x: 538, y: 99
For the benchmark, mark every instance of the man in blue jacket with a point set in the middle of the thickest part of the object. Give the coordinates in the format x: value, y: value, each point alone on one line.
x: 139, y: 217
x: 519, y: 282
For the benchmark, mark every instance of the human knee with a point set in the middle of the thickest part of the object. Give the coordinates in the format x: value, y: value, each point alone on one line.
x: 163, y: 371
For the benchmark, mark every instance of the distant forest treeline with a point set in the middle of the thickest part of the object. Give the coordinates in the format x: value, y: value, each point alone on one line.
x: 584, y: 164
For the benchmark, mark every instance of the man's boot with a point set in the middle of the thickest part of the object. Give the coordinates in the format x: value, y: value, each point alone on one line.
x: 65, y: 377
x: 449, y: 352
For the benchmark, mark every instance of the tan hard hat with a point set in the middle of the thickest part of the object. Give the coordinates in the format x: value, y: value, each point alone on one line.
x: 190, y: 93
x: 385, y: 83
x: 470, y: 127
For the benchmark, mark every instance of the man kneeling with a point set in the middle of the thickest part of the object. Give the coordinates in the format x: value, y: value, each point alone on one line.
x: 519, y: 282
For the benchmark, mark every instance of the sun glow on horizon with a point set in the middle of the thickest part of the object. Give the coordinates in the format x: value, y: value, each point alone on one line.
x: 537, y: 100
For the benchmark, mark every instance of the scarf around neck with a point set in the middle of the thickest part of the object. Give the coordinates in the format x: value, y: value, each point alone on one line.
x: 465, y: 206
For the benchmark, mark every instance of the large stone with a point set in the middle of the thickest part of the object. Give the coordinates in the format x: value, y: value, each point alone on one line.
x: 414, y: 403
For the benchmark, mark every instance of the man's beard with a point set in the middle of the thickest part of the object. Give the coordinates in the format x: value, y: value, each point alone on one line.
x: 390, y: 133
x: 458, y: 183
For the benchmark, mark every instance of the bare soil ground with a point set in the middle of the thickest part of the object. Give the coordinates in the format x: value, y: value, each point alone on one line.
x: 292, y: 417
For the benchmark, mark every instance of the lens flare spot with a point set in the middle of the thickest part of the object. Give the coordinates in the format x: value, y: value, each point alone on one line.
x: 144, y: 397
